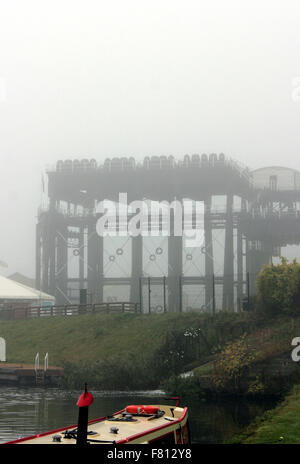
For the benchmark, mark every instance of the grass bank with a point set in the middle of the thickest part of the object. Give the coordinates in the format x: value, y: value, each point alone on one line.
x: 122, y: 350
x: 280, y: 425
x: 256, y: 364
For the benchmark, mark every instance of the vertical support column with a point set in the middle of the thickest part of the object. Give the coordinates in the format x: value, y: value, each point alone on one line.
x: 51, y: 224
x: 248, y: 266
x: 208, y: 249
x: 52, y: 256
x: 45, y: 255
x: 255, y: 260
x: 228, y: 258
x: 62, y: 263
x: 239, y: 265
x: 100, y: 268
x: 38, y: 256
x: 213, y: 295
x: 94, y: 264
x: 174, y: 265
x: 251, y: 268
x: 81, y: 257
x: 141, y: 294
x: 137, y: 268
x: 48, y: 268
x: 260, y: 256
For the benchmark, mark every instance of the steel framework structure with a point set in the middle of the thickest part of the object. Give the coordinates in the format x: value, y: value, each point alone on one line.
x: 260, y: 213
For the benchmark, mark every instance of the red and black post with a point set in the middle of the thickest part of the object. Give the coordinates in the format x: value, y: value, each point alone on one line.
x: 84, y: 401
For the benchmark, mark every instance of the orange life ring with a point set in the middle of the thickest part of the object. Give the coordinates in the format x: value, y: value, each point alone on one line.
x: 141, y: 409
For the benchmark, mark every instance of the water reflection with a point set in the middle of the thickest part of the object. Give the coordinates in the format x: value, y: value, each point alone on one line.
x: 27, y: 411
x: 215, y: 422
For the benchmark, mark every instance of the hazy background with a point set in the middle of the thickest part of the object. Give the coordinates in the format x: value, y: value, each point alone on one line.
x: 135, y: 78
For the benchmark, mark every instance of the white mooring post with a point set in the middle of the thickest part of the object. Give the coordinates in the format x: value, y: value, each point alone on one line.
x: 2, y: 349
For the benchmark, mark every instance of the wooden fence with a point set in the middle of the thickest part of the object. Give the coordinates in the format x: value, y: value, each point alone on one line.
x: 67, y: 310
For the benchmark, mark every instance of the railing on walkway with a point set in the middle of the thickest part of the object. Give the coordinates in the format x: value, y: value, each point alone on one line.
x: 67, y: 310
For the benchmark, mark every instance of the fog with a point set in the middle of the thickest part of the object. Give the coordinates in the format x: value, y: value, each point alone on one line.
x: 96, y: 79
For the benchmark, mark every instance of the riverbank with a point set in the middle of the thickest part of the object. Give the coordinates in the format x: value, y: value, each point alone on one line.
x: 234, y: 357
x: 27, y: 374
x: 257, y: 364
x: 122, y: 351
x: 280, y: 425
x: 229, y: 354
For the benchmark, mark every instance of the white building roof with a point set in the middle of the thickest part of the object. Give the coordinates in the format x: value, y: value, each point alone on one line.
x: 11, y: 290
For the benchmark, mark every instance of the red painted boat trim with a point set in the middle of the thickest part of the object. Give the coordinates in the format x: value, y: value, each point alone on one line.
x: 52, y: 431
x: 92, y: 421
x: 39, y: 435
x: 126, y: 440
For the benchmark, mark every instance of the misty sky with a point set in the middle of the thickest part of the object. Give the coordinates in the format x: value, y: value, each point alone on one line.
x: 132, y: 77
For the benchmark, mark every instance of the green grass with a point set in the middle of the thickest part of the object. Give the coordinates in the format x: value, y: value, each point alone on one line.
x: 206, y: 369
x: 108, y: 346
x: 92, y: 337
x: 280, y: 425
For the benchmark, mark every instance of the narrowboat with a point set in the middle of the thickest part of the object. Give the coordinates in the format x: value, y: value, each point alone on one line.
x: 158, y: 424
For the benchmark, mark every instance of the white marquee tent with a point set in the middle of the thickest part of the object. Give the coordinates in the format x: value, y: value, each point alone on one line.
x: 14, y: 291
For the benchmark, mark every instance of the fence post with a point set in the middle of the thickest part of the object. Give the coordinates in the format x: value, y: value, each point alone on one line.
x: 164, y: 290
x: 141, y: 294
x: 180, y: 294
x: 248, y: 291
x: 149, y: 294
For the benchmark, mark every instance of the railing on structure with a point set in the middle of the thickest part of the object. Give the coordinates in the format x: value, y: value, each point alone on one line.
x: 68, y: 310
x: 154, y: 162
x: 37, y: 362
x: 40, y: 373
x: 265, y: 214
x: 46, y: 362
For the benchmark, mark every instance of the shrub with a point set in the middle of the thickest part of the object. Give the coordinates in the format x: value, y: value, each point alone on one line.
x: 232, y: 365
x: 279, y: 288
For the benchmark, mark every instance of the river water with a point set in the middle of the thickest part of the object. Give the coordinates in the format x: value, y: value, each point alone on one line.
x: 28, y: 411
